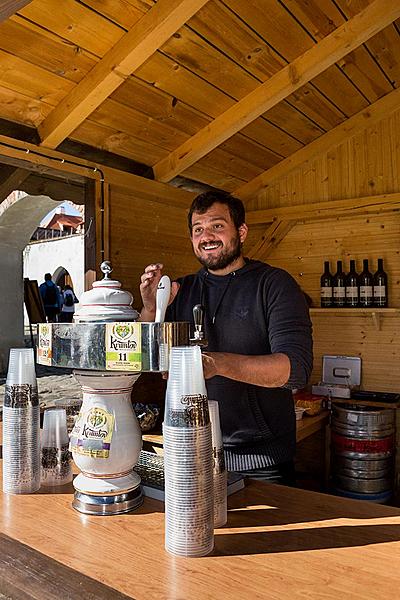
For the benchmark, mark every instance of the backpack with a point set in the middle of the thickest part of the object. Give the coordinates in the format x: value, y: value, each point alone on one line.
x: 68, y: 299
x: 50, y: 295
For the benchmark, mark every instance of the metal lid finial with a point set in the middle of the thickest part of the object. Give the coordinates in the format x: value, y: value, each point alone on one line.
x: 106, y: 268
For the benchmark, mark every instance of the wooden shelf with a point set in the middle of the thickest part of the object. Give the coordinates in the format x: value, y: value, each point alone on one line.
x: 375, y: 313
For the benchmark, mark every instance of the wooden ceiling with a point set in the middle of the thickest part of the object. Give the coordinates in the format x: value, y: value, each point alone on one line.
x: 228, y: 93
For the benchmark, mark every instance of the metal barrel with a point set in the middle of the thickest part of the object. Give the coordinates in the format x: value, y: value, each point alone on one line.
x: 362, y: 447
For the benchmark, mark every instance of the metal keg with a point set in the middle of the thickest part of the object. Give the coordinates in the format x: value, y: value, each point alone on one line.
x: 362, y: 449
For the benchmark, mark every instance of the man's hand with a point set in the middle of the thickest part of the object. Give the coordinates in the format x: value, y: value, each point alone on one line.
x: 148, y: 290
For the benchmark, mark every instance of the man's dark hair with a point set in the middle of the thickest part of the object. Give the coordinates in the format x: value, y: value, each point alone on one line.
x: 203, y: 202
x: 47, y: 277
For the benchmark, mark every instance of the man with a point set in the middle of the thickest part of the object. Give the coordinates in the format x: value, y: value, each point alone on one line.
x: 51, y: 298
x: 259, y: 337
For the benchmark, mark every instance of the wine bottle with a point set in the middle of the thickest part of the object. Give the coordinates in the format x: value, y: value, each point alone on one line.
x: 326, y: 287
x: 339, y: 286
x: 352, y: 286
x: 366, y: 286
x: 380, y: 286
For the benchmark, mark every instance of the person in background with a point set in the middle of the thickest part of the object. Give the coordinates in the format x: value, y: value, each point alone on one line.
x: 259, y: 337
x: 51, y: 298
x: 68, y: 307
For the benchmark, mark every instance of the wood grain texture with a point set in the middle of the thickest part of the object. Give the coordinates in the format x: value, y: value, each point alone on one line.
x: 9, y: 7
x: 27, y: 574
x: 314, y: 61
x: 293, y: 543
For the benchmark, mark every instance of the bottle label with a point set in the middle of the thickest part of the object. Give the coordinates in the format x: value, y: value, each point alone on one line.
x: 365, y: 291
x: 351, y: 292
x: 379, y: 291
x: 45, y: 344
x: 326, y: 292
x: 339, y: 292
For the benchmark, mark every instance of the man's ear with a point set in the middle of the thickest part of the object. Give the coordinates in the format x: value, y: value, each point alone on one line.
x: 243, y: 231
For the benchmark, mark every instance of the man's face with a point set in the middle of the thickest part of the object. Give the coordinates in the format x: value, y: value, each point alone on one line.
x: 215, y: 239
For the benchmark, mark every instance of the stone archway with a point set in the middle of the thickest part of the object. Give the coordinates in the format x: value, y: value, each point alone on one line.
x: 20, y: 214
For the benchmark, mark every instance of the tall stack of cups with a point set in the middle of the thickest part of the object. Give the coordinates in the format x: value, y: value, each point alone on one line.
x: 188, y: 461
x: 21, y: 425
x: 219, y: 471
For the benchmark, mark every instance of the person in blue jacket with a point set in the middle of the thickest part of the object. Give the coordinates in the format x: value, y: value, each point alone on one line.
x: 259, y: 337
x: 51, y: 298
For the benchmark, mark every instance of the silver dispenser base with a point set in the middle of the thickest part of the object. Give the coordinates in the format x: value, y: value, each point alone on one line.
x: 117, y: 504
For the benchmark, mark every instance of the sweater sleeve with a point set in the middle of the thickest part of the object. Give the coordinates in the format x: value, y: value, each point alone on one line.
x: 289, y: 326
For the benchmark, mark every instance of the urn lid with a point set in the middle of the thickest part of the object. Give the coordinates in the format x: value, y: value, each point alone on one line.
x: 106, y: 301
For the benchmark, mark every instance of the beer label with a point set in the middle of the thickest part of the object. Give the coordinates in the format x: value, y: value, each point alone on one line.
x: 123, y: 346
x: 326, y: 292
x: 92, y: 433
x: 44, y: 344
x: 365, y: 291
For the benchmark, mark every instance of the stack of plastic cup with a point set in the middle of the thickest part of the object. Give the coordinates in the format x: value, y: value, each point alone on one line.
x: 188, y: 462
x: 21, y: 425
x: 55, y: 455
x: 219, y: 471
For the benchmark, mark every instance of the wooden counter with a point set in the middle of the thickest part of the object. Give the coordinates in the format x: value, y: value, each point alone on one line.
x: 280, y: 543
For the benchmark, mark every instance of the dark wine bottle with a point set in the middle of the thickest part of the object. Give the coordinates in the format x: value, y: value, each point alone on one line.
x: 380, y: 286
x: 366, y: 286
x: 352, y: 286
x: 326, y: 287
x: 339, y: 286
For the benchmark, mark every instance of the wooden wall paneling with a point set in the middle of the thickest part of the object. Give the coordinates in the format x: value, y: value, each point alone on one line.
x: 302, y: 253
x: 143, y: 233
x: 358, y: 123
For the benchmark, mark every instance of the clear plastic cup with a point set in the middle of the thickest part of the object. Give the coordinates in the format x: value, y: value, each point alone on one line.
x: 56, y: 465
x: 21, y: 367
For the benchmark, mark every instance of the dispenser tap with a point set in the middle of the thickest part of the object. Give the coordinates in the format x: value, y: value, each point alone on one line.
x: 198, y: 338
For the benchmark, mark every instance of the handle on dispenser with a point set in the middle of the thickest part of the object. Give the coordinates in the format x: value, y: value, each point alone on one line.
x: 162, y: 298
x: 198, y: 317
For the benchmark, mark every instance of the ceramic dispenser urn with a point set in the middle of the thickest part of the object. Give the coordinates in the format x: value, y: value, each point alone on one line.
x: 106, y: 440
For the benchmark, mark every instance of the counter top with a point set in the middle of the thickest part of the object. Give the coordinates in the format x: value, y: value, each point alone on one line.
x: 279, y: 543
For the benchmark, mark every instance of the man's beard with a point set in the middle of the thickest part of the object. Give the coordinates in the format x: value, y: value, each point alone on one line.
x: 224, y: 259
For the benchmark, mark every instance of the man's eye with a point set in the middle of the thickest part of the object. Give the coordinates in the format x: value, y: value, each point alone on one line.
x: 197, y: 230
x: 218, y: 226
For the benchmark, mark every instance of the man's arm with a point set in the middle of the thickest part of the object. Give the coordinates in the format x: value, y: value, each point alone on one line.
x: 271, y: 370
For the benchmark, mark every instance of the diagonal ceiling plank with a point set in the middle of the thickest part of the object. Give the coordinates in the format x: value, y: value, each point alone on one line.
x: 9, y: 7
x: 128, y: 54
x: 355, y: 124
x: 311, y: 63
x: 13, y: 182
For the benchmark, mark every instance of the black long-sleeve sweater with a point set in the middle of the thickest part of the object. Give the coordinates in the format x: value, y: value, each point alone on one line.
x: 255, y: 310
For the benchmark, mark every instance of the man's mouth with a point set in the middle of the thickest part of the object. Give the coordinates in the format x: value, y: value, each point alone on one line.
x: 209, y: 246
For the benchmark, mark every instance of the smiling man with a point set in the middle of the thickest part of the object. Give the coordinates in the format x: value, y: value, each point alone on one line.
x: 259, y: 337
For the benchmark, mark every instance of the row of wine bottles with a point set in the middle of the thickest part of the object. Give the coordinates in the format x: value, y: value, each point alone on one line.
x: 352, y: 289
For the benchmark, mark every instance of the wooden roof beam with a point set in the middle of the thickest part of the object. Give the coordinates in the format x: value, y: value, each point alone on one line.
x: 9, y: 7
x: 314, y: 61
x: 355, y: 124
x: 128, y: 54
x: 13, y: 182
